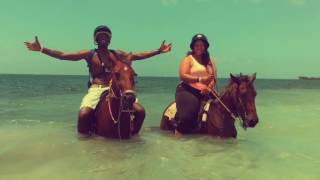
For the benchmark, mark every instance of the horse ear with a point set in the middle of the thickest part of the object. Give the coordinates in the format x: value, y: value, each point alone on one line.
x: 234, y: 78
x: 253, y: 77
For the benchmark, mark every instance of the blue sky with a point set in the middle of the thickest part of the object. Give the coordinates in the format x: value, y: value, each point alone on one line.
x: 275, y: 38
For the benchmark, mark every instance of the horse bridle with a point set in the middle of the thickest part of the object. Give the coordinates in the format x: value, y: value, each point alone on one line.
x: 242, y: 111
x: 121, y: 109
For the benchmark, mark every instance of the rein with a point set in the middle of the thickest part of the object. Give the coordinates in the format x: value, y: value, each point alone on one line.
x: 121, y: 110
x: 214, y: 93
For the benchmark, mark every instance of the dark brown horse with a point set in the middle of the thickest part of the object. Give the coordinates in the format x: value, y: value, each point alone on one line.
x: 236, y: 101
x: 117, y: 114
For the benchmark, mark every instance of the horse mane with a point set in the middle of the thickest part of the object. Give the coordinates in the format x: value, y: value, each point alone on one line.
x: 232, y: 86
x: 126, y: 63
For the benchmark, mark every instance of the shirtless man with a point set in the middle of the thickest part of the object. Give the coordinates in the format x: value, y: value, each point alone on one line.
x: 100, y: 63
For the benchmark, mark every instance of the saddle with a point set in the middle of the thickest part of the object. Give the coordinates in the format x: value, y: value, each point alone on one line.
x: 171, y: 110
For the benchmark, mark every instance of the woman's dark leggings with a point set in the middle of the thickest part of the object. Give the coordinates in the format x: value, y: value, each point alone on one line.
x: 188, y: 101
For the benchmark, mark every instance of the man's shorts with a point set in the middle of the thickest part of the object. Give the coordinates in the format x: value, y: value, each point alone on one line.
x: 92, y: 98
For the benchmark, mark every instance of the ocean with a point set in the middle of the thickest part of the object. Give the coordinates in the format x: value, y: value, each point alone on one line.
x: 38, y: 137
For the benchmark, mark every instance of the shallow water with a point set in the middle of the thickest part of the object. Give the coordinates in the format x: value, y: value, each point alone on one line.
x: 39, y: 141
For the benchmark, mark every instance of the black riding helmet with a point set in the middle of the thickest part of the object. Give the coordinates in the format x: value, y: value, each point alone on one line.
x: 201, y: 37
x: 101, y: 29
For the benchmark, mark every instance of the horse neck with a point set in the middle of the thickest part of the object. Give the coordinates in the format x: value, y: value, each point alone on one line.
x: 114, y: 95
x: 227, y: 97
x: 114, y: 88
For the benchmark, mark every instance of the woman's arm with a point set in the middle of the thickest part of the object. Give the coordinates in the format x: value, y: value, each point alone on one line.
x: 213, y: 82
x: 184, y: 72
x: 185, y: 75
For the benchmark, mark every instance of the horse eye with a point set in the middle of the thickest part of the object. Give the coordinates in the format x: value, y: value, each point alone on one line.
x: 243, y: 89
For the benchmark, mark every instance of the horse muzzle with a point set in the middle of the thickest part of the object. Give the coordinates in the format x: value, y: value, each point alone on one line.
x: 129, y: 97
x: 252, y: 121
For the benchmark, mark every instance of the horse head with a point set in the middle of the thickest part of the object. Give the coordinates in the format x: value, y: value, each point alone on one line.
x: 123, y: 82
x: 244, y: 95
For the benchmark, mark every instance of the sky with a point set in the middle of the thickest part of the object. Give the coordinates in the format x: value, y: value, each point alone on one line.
x: 277, y: 39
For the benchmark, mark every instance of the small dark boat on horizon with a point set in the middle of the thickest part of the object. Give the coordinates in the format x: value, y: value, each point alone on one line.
x: 308, y: 78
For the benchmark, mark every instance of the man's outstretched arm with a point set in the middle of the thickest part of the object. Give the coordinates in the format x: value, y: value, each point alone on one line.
x: 164, y: 48
x: 36, y: 46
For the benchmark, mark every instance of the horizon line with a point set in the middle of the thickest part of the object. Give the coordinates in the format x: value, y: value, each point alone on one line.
x: 138, y: 76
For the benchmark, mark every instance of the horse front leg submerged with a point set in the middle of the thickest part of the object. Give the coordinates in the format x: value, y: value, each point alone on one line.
x: 229, y: 132
x: 219, y: 125
x: 139, y: 115
x: 86, y: 121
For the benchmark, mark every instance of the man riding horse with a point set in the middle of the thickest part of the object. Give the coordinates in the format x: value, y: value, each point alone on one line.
x: 100, y: 63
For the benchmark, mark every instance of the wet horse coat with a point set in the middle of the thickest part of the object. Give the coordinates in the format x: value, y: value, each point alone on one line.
x: 117, y: 115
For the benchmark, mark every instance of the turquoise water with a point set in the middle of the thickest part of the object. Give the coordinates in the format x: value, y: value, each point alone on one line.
x: 38, y: 138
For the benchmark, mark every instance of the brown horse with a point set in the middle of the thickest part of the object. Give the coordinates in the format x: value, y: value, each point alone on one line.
x: 117, y: 115
x: 236, y: 101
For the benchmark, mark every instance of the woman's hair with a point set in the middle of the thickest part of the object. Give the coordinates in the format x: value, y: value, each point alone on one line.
x: 205, y: 59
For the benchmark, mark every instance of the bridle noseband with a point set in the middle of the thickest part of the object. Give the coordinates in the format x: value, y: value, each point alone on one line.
x: 123, y: 108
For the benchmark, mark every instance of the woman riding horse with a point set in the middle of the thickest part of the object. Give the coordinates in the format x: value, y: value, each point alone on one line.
x: 237, y: 101
x: 198, y: 74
